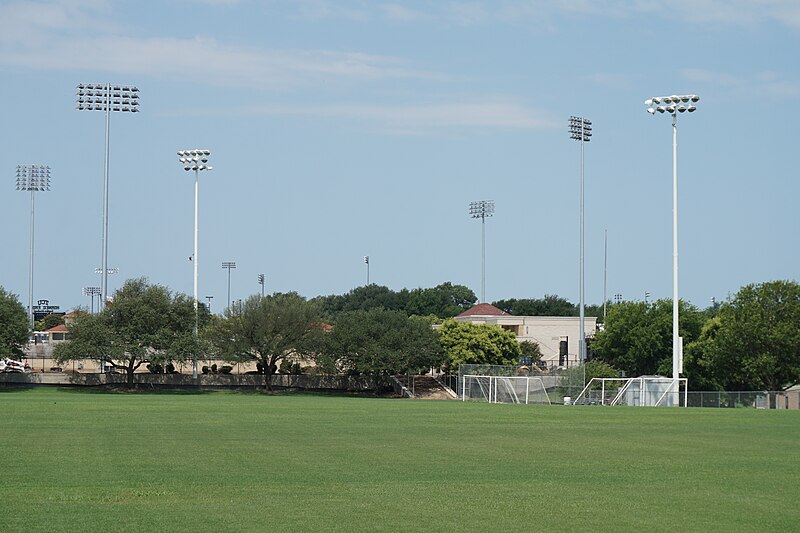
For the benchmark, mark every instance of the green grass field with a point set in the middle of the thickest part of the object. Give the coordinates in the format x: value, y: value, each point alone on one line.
x: 102, y: 461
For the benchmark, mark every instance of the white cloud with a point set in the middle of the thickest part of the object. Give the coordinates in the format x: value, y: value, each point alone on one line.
x: 765, y: 83
x: 476, y: 12
x: 424, y: 118
x: 207, y: 60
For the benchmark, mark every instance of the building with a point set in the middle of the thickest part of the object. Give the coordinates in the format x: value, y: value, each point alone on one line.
x: 546, y: 331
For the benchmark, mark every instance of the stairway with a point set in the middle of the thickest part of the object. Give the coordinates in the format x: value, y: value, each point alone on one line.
x: 427, y: 388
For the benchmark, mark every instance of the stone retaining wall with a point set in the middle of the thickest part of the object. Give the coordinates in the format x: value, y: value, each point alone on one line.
x: 203, y: 381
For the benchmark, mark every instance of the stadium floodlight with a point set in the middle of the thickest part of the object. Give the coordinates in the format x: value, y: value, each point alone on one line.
x: 91, y: 292
x: 109, y: 98
x: 366, y: 262
x: 195, y: 160
x: 261, y: 280
x: 32, y: 178
x: 482, y: 209
x: 229, y: 265
x: 674, y: 104
x: 580, y: 129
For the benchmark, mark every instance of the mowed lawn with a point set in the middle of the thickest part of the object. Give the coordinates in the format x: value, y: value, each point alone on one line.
x: 223, y: 461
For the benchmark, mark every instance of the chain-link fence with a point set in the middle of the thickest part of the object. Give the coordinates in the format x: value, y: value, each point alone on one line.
x: 747, y: 399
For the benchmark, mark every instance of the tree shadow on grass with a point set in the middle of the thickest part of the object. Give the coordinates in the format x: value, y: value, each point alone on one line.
x: 135, y: 390
x: 12, y: 387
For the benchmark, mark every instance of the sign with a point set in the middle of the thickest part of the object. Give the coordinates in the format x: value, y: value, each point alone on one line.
x: 43, y: 309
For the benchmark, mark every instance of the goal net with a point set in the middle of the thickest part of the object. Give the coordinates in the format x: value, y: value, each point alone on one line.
x: 655, y: 391
x: 504, y: 389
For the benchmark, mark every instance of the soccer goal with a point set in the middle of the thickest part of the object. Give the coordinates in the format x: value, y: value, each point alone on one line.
x: 504, y: 389
x: 655, y: 391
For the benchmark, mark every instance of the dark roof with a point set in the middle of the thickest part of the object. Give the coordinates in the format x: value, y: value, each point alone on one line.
x: 483, y: 310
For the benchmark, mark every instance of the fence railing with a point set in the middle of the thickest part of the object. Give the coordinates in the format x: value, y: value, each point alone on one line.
x: 747, y: 399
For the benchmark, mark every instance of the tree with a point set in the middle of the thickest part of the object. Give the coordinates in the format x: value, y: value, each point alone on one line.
x: 145, y: 324
x: 697, y: 358
x: 469, y: 343
x: 362, y: 298
x: 14, y: 327
x: 637, y: 337
x: 267, y: 330
x: 444, y: 301
x: 757, y: 343
x: 550, y: 305
x: 530, y: 349
x: 380, y: 342
x: 50, y: 321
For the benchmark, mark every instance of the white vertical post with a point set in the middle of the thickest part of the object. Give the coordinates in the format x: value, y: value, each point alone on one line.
x: 196, y: 261
x: 30, y: 268
x: 675, y: 340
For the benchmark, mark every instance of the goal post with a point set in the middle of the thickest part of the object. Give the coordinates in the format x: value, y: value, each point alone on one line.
x: 655, y: 391
x: 504, y: 389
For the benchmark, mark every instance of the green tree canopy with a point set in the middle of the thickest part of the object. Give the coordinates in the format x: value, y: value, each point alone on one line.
x: 637, y: 337
x: 380, y: 342
x: 757, y: 343
x: 444, y: 301
x: 469, y: 343
x: 362, y: 299
x: 50, y: 321
x: 698, y: 364
x: 145, y: 323
x: 550, y: 305
x: 267, y: 330
x: 14, y: 326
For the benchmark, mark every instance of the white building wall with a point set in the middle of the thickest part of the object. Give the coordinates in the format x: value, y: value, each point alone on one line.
x: 547, y: 331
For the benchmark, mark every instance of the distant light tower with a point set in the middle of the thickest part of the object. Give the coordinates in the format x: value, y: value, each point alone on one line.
x: 229, y: 265
x: 195, y: 160
x: 366, y: 262
x: 91, y: 292
x: 106, y: 97
x: 646, y: 297
x: 673, y: 105
x: 32, y: 178
x: 618, y: 298
x: 261, y: 282
x: 580, y: 129
x: 482, y: 209
x: 208, y: 302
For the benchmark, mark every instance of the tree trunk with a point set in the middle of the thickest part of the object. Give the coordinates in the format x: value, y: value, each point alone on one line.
x: 268, y: 378
x: 129, y: 371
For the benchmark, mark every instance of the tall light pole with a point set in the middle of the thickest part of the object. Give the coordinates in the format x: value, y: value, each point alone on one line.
x: 32, y: 178
x: 366, y: 262
x: 673, y: 105
x: 208, y: 302
x: 229, y: 265
x: 261, y: 279
x: 91, y: 292
x: 580, y: 129
x: 109, y: 98
x: 605, y: 274
x: 195, y: 160
x: 482, y: 209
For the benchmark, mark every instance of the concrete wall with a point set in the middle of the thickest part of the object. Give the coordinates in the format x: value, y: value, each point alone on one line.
x: 213, y: 381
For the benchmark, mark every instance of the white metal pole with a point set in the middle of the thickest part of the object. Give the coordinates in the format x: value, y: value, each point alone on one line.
x: 582, y: 338
x: 675, y: 339
x: 195, y: 260
x: 605, y: 274
x: 104, y: 261
x: 30, y: 267
x: 483, y: 259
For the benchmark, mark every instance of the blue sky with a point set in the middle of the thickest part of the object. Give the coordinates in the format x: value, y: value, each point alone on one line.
x: 340, y: 129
